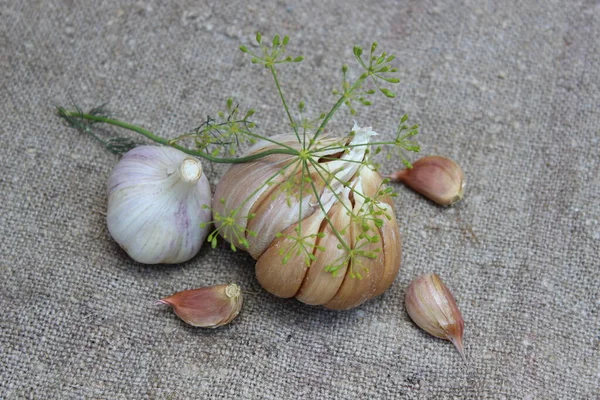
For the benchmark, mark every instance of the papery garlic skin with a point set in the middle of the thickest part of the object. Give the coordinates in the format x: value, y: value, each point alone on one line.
x: 438, y: 178
x: 432, y: 307
x: 158, y: 198
x: 207, y: 307
x: 275, y: 213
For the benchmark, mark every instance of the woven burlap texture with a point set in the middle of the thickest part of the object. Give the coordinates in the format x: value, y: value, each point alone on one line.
x: 509, y: 89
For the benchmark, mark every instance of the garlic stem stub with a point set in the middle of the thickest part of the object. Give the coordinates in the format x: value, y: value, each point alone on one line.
x: 432, y: 307
x: 158, y: 201
x: 438, y: 178
x: 207, y: 307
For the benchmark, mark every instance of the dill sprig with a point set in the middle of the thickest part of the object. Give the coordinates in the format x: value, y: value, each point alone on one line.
x: 115, y: 145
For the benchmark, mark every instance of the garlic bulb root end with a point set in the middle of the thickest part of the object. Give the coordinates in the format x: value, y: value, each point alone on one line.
x: 232, y: 290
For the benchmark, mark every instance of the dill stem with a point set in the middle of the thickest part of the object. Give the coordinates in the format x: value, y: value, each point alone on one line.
x: 336, y: 107
x: 317, y: 166
x: 287, y: 109
x: 168, y: 142
x: 245, y: 132
x: 348, y: 146
x: 268, y: 182
x: 303, y: 166
x: 333, y: 228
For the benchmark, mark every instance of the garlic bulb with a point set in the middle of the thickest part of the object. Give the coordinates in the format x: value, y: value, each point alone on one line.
x: 157, y: 200
x: 432, y: 307
x: 295, y: 255
x: 207, y: 307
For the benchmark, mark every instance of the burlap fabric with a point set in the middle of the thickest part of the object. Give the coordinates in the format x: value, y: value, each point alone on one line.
x: 511, y: 90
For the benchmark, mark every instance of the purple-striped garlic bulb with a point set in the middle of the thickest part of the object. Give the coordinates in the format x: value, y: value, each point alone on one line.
x: 158, y: 205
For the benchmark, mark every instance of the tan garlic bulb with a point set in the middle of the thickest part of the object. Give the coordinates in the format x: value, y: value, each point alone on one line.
x: 344, y: 248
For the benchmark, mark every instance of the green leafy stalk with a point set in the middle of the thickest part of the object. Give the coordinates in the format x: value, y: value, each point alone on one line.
x: 77, y: 117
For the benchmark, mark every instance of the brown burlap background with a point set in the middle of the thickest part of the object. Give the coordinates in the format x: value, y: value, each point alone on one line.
x: 509, y: 89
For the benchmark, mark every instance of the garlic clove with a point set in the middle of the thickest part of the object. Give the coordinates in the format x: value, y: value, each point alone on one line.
x: 277, y: 210
x: 432, y: 307
x: 348, y: 163
x: 282, y: 268
x: 239, y: 188
x: 364, y: 272
x: 207, y: 307
x: 372, y: 183
x: 356, y: 289
x: 242, y: 188
x: 320, y: 285
x: 157, y: 205
x: 390, y: 234
x: 437, y: 178
x: 392, y: 251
